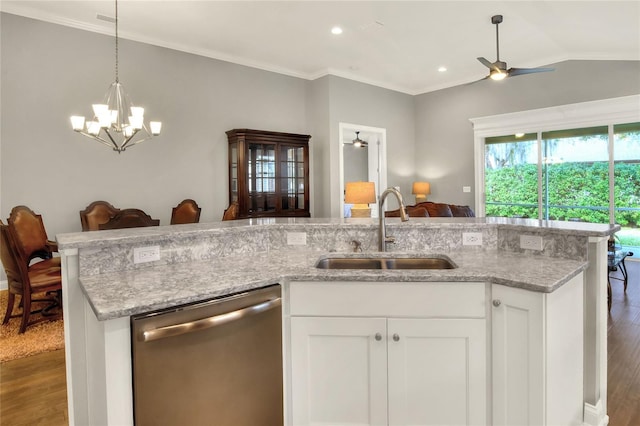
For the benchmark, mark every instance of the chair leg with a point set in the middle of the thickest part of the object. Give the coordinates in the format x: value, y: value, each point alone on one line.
x: 609, y: 294
x: 10, y: 301
x: 623, y: 269
x: 26, y: 311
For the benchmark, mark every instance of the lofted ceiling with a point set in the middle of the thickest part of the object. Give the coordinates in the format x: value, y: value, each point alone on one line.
x: 393, y: 44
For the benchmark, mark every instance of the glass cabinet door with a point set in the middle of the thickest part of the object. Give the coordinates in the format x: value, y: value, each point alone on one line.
x: 233, y: 172
x: 261, y: 177
x: 292, y: 177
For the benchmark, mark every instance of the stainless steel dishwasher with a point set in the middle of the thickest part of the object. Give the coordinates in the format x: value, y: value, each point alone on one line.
x: 217, y: 362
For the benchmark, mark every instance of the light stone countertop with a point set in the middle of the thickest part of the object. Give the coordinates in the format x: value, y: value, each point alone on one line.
x: 126, y: 293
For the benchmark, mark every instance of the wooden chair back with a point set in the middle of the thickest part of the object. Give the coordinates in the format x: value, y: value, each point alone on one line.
x: 95, y: 214
x: 28, y: 233
x: 129, y: 218
x: 185, y: 212
x: 231, y: 213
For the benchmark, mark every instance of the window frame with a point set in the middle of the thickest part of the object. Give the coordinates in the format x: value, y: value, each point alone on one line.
x: 605, y: 112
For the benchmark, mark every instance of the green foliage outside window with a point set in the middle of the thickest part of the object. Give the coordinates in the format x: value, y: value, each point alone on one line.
x: 583, y: 186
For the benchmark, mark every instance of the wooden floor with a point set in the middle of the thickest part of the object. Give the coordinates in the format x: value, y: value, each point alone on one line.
x: 33, y: 389
x: 624, y: 350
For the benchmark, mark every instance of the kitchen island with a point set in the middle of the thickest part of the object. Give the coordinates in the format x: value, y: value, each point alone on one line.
x: 103, y: 286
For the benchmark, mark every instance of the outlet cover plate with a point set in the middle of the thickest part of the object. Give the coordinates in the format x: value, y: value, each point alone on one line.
x: 472, y: 238
x: 531, y: 242
x: 296, y: 238
x: 146, y: 254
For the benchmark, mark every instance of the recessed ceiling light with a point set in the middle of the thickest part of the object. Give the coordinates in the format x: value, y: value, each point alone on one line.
x: 336, y: 30
x: 519, y: 135
x: 442, y: 69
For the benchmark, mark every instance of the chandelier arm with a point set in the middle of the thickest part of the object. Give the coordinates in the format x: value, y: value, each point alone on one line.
x: 125, y: 144
x: 113, y: 144
x: 97, y: 138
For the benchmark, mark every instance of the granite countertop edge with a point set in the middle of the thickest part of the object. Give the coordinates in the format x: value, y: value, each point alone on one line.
x: 127, y: 293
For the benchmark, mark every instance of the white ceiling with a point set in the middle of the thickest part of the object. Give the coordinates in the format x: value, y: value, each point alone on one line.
x: 393, y: 44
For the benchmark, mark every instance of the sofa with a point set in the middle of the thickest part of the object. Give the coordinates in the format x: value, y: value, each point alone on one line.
x: 431, y: 209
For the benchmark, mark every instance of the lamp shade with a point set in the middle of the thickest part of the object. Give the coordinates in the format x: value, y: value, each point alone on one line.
x: 421, y: 188
x: 360, y: 193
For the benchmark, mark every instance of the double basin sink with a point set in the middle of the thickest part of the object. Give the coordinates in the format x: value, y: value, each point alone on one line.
x: 385, y: 262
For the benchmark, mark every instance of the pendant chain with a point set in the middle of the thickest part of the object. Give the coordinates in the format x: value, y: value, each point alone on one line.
x: 117, y: 80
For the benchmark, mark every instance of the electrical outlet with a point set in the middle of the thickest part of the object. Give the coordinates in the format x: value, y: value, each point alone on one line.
x: 297, y: 238
x: 472, y: 238
x: 146, y: 254
x: 531, y: 242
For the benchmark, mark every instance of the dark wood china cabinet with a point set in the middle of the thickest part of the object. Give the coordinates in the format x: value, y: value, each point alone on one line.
x: 269, y: 173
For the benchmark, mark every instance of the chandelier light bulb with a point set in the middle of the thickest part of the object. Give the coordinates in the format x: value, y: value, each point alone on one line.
x: 156, y: 126
x: 77, y: 122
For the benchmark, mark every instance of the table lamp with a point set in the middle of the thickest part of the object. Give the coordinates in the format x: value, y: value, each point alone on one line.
x: 360, y: 194
x: 421, y: 190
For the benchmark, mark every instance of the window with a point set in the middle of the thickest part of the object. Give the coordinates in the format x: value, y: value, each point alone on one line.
x: 511, y: 176
x: 626, y: 172
x: 577, y: 162
x: 575, y: 175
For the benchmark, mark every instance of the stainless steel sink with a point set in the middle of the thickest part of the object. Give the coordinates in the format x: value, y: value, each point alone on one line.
x: 385, y: 263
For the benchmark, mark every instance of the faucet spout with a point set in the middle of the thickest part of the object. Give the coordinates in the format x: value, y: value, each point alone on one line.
x: 383, y: 239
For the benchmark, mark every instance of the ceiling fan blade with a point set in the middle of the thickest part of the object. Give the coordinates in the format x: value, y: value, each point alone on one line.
x: 513, y: 72
x: 486, y: 63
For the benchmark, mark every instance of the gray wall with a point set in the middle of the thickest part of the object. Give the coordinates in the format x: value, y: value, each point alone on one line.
x: 358, y: 103
x: 444, y: 135
x: 50, y: 72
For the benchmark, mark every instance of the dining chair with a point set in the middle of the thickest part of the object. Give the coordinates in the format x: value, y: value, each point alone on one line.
x: 96, y: 213
x: 231, y: 213
x: 42, y: 278
x: 30, y: 236
x: 129, y: 218
x: 185, y: 212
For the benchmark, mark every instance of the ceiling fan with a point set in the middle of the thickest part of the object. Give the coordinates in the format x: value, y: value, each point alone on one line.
x: 359, y: 143
x: 498, y: 69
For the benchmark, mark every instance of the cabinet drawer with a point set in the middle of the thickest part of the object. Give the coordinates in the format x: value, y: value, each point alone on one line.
x: 390, y: 299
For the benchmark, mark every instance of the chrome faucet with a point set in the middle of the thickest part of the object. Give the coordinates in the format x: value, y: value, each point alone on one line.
x: 382, y: 232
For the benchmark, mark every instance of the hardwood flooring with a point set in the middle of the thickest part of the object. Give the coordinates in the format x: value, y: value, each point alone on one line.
x: 624, y: 350
x: 33, y: 389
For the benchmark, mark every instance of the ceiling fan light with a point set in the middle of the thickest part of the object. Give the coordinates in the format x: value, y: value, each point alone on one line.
x: 497, y: 75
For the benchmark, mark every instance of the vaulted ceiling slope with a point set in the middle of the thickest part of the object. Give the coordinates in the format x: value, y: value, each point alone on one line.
x: 398, y: 45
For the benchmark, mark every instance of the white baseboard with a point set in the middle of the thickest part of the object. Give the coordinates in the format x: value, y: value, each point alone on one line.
x: 594, y: 415
x: 4, y: 285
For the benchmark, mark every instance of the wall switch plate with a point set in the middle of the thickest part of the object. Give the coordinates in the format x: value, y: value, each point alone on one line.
x: 472, y: 238
x: 297, y: 238
x: 531, y: 242
x: 466, y: 189
x: 146, y: 254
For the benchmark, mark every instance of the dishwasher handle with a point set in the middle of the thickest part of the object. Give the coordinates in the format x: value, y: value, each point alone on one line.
x: 204, y: 323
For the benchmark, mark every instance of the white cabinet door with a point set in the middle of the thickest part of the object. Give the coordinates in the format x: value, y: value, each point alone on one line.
x: 339, y: 371
x: 538, y: 355
x: 437, y: 371
x: 518, y: 363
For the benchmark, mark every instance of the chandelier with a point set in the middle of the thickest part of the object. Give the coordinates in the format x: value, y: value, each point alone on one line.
x: 116, y: 122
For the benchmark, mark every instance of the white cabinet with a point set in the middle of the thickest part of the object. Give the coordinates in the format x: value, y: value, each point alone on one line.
x: 537, y: 355
x: 386, y: 353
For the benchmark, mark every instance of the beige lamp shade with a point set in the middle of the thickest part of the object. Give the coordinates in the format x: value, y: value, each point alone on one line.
x: 360, y: 194
x: 421, y: 190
